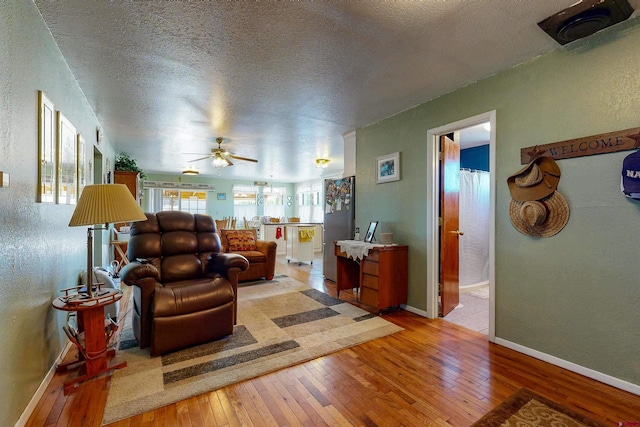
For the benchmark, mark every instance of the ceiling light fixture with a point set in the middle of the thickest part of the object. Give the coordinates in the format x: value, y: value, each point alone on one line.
x: 322, y: 163
x: 190, y: 171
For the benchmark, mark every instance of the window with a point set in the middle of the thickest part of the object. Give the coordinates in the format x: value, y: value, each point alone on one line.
x: 309, y: 201
x: 244, y: 202
x: 186, y: 201
x: 274, y: 201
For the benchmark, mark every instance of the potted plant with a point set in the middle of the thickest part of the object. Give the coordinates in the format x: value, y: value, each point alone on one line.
x: 126, y: 163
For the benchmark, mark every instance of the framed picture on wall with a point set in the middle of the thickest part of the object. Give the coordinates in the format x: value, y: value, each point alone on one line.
x: 67, y: 162
x: 388, y: 168
x: 47, y: 150
x: 82, y: 173
x: 222, y: 196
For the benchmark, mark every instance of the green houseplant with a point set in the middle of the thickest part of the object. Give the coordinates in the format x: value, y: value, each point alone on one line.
x: 126, y: 163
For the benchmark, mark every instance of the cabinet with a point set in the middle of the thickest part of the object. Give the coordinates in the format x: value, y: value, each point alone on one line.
x: 381, y: 276
x: 131, y: 180
x: 299, y: 242
x: 270, y: 231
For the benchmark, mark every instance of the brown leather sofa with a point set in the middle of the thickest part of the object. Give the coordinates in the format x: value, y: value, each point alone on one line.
x: 261, y: 254
x: 185, y: 287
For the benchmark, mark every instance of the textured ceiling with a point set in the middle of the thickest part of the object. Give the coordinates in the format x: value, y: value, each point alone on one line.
x: 284, y: 81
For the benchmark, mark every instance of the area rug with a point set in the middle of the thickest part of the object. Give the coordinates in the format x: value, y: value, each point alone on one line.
x: 281, y: 323
x: 526, y: 408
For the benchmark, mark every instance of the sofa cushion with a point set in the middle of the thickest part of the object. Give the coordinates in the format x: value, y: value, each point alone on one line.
x: 254, y: 257
x: 239, y: 240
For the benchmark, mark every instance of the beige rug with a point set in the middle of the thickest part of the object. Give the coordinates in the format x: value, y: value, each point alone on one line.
x: 528, y: 409
x: 281, y: 323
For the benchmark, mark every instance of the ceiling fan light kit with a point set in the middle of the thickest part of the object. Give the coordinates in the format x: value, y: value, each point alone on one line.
x: 322, y: 163
x: 221, y: 162
x: 220, y: 157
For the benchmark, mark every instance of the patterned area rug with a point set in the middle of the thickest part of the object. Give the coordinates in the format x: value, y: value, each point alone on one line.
x: 528, y: 409
x: 281, y: 323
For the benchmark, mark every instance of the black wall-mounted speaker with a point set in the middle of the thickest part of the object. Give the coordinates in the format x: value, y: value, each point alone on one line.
x: 585, y: 18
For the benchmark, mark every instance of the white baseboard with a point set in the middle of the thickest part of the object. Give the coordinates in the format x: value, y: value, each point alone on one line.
x: 590, y: 373
x: 26, y: 414
x: 415, y: 310
x: 570, y: 366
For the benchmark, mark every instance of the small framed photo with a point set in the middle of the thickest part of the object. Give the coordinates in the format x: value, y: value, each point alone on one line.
x: 371, y: 231
x: 222, y: 196
x: 388, y: 168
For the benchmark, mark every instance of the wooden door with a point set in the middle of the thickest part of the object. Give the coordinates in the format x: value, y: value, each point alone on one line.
x: 449, y: 224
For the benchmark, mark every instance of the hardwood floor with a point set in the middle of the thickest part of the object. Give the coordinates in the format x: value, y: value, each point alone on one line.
x: 432, y: 373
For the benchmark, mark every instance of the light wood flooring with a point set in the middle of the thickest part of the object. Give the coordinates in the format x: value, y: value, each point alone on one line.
x: 433, y: 373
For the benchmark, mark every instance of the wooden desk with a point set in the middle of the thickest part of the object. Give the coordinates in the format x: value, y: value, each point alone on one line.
x: 93, y: 340
x: 381, y: 276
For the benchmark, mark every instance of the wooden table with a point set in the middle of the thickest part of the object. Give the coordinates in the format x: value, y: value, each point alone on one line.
x: 92, y: 337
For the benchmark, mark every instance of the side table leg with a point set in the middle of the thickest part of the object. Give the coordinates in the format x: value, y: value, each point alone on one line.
x: 95, y: 348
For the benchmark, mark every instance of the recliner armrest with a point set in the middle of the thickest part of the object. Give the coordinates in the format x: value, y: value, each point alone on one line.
x: 221, y: 263
x: 135, y: 273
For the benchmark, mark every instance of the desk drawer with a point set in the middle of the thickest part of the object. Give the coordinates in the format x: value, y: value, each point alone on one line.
x: 369, y: 281
x: 369, y: 267
x: 369, y: 297
x: 373, y: 255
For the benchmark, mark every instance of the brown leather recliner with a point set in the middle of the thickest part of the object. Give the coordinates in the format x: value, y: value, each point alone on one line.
x: 185, y: 287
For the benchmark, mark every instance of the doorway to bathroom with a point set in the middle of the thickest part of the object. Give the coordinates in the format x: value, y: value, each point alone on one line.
x: 460, y: 285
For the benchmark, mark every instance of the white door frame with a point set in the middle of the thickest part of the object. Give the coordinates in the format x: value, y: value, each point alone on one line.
x: 433, y: 204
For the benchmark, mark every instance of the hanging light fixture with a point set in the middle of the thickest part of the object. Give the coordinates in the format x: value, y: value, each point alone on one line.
x: 322, y: 163
x: 190, y: 171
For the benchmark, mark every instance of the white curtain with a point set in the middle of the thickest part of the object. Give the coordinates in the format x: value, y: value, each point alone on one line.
x: 474, y: 222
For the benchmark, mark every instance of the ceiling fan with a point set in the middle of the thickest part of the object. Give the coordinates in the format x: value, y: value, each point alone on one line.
x: 221, y: 156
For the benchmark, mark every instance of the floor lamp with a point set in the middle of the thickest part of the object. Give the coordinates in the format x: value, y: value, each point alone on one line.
x: 103, y: 204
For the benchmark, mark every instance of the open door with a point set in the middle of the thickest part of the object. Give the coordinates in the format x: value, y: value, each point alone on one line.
x: 449, y: 224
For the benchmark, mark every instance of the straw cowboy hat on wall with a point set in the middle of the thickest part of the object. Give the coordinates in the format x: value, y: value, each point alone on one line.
x: 536, y: 208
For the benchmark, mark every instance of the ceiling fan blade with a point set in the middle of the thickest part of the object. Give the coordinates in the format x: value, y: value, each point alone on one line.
x: 201, y: 158
x: 244, y: 158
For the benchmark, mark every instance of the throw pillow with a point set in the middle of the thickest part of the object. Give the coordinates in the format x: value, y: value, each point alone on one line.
x: 241, y: 240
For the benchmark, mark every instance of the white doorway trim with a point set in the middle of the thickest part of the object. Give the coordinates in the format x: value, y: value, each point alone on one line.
x: 433, y: 204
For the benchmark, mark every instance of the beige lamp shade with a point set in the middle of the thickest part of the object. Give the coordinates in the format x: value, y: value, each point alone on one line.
x: 106, y: 203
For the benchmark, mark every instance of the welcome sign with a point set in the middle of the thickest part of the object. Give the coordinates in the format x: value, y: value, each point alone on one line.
x: 587, y: 146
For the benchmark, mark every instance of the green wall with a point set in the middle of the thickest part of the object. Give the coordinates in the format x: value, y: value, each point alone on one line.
x: 39, y: 253
x: 575, y: 295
